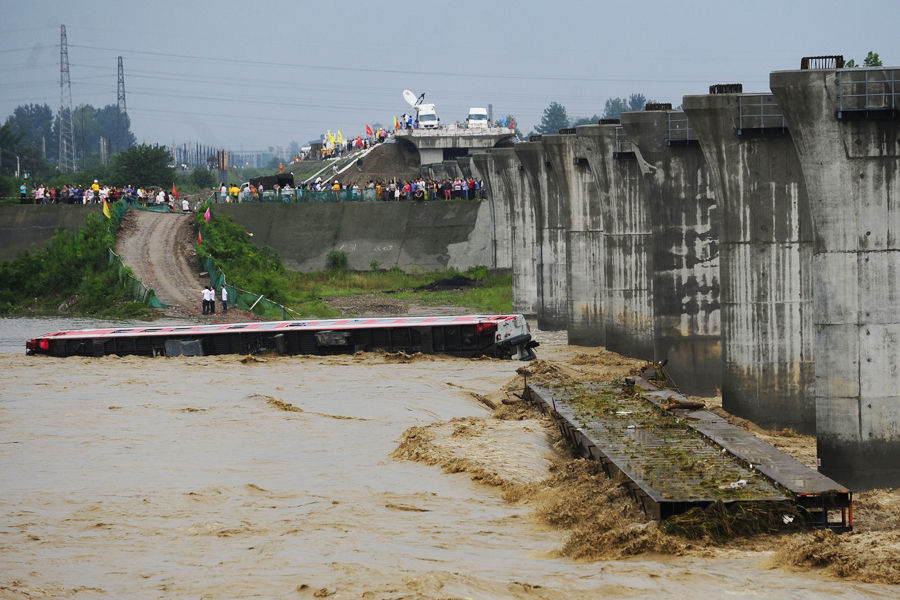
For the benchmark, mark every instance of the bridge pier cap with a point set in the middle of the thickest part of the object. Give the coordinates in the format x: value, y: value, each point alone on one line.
x: 846, y: 130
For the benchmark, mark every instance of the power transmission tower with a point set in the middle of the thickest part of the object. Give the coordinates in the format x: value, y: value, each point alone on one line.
x: 121, y: 111
x: 66, y: 126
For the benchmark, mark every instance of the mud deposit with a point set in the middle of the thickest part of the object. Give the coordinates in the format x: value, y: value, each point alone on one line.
x: 367, y: 476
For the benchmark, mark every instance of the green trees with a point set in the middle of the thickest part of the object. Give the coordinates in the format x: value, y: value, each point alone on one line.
x: 144, y: 165
x: 553, y: 119
x: 203, y: 178
x: 74, y: 269
x: 871, y: 60
x: 35, y: 124
x: 614, y: 107
x: 555, y: 116
x: 36, y: 128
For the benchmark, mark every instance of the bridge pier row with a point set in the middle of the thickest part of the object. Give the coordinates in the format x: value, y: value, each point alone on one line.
x: 686, y: 250
x: 852, y: 171
x: 552, y: 214
x: 627, y: 241
x: 765, y: 259
x: 510, y: 189
x: 584, y: 239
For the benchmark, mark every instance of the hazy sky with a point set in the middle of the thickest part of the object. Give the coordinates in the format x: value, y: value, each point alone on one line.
x: 247, y: 75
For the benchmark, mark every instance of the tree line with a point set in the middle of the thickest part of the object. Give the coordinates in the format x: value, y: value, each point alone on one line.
x: 29, y: 144
x: 556, y: 117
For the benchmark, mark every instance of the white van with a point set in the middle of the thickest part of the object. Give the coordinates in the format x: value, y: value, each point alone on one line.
x: 426, y: 116
x: 477, y: 118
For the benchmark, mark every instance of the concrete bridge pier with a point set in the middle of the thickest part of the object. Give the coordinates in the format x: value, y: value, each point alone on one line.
x: 627, y: 239
x: 510, y: 188
x: 847, y: 135
x: 552, y: 212
x: 481, y: 166
x: 686, y: 247
x: 584, y: 239
x: 765, y: 258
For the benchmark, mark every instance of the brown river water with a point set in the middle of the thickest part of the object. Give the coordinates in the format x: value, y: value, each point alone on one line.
x: 219, y: 477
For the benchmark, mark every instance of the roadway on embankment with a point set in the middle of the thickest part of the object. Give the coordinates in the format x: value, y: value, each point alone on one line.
x: 159, y: 249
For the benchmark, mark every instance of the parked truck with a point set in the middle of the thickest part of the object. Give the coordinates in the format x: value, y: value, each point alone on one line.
x: 478, y: 118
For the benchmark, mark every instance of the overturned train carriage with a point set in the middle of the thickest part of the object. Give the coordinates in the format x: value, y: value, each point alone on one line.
x: 502, y: 336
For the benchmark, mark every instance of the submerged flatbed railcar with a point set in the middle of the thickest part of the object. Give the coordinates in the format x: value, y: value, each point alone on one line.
x: 502, y: 336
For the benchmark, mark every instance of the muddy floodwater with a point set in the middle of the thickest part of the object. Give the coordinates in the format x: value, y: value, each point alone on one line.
x: 227, y: 477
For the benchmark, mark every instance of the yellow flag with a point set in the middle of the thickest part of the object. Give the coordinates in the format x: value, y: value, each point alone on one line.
x: 106, y: 209
x: 340, y: 138
x: 330, y: 137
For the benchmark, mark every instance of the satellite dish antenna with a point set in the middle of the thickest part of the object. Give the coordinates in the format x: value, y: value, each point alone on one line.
x: 409, y: 97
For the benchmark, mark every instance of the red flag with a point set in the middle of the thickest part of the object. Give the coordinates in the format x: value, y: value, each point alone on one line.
x: 174, y: 191
x: 206, y: 214
x: 199, y: 238
x: 369, y: 130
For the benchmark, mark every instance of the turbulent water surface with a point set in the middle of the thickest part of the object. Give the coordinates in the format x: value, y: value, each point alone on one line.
x: 222, y: 477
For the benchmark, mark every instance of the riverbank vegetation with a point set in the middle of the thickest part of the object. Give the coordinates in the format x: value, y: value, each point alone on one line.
x: 338, y: 291
x: 72, y: 275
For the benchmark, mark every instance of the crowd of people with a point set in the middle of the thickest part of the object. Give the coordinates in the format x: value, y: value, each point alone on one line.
x: 420, y: 189
x: 94, y: 194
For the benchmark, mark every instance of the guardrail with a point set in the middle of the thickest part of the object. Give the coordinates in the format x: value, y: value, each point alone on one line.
x: 624, y: 147
x: 678, y: 130
x: 759, y: 113
x: 455, y: 131
x: 868, y: 93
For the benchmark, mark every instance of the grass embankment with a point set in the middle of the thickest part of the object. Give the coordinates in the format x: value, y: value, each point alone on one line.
x: 72, y: 275
x: 260, y: 270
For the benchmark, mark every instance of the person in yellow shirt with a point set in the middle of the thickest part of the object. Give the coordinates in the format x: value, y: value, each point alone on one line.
x: 233, y: 192
x: 95, y: 191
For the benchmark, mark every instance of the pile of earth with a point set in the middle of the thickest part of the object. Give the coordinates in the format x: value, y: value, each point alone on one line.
x: 385, y: 162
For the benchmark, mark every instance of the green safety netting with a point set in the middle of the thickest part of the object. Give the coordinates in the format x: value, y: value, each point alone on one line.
x: 238, y: 298
x: 139, y: 291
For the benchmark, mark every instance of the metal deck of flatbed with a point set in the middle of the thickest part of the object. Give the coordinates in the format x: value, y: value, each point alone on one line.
x: 674, y: 460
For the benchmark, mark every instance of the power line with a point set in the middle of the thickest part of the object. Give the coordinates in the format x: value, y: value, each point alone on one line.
x: 391, y: 71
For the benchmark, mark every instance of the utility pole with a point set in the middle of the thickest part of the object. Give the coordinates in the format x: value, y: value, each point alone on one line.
x: 121, y: 111
x: 66, y: 126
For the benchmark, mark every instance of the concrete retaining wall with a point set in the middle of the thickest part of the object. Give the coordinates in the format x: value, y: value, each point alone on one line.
x: 686, y: 252
x: 29, y: 227
x: 426, y: 235
x: 852, y: 174
x: 765, y: 258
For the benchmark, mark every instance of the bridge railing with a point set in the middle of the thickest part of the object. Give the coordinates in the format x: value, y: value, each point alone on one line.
x: 875, y: 89
x: 453, y: 130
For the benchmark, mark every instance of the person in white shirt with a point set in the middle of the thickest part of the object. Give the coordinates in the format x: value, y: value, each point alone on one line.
x: 185, y: 205
x: 224, y: 300
x: 205, y: 301
x: 161, y: 197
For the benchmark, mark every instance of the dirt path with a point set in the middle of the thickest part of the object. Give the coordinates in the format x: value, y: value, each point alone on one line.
x: 159, y: 248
